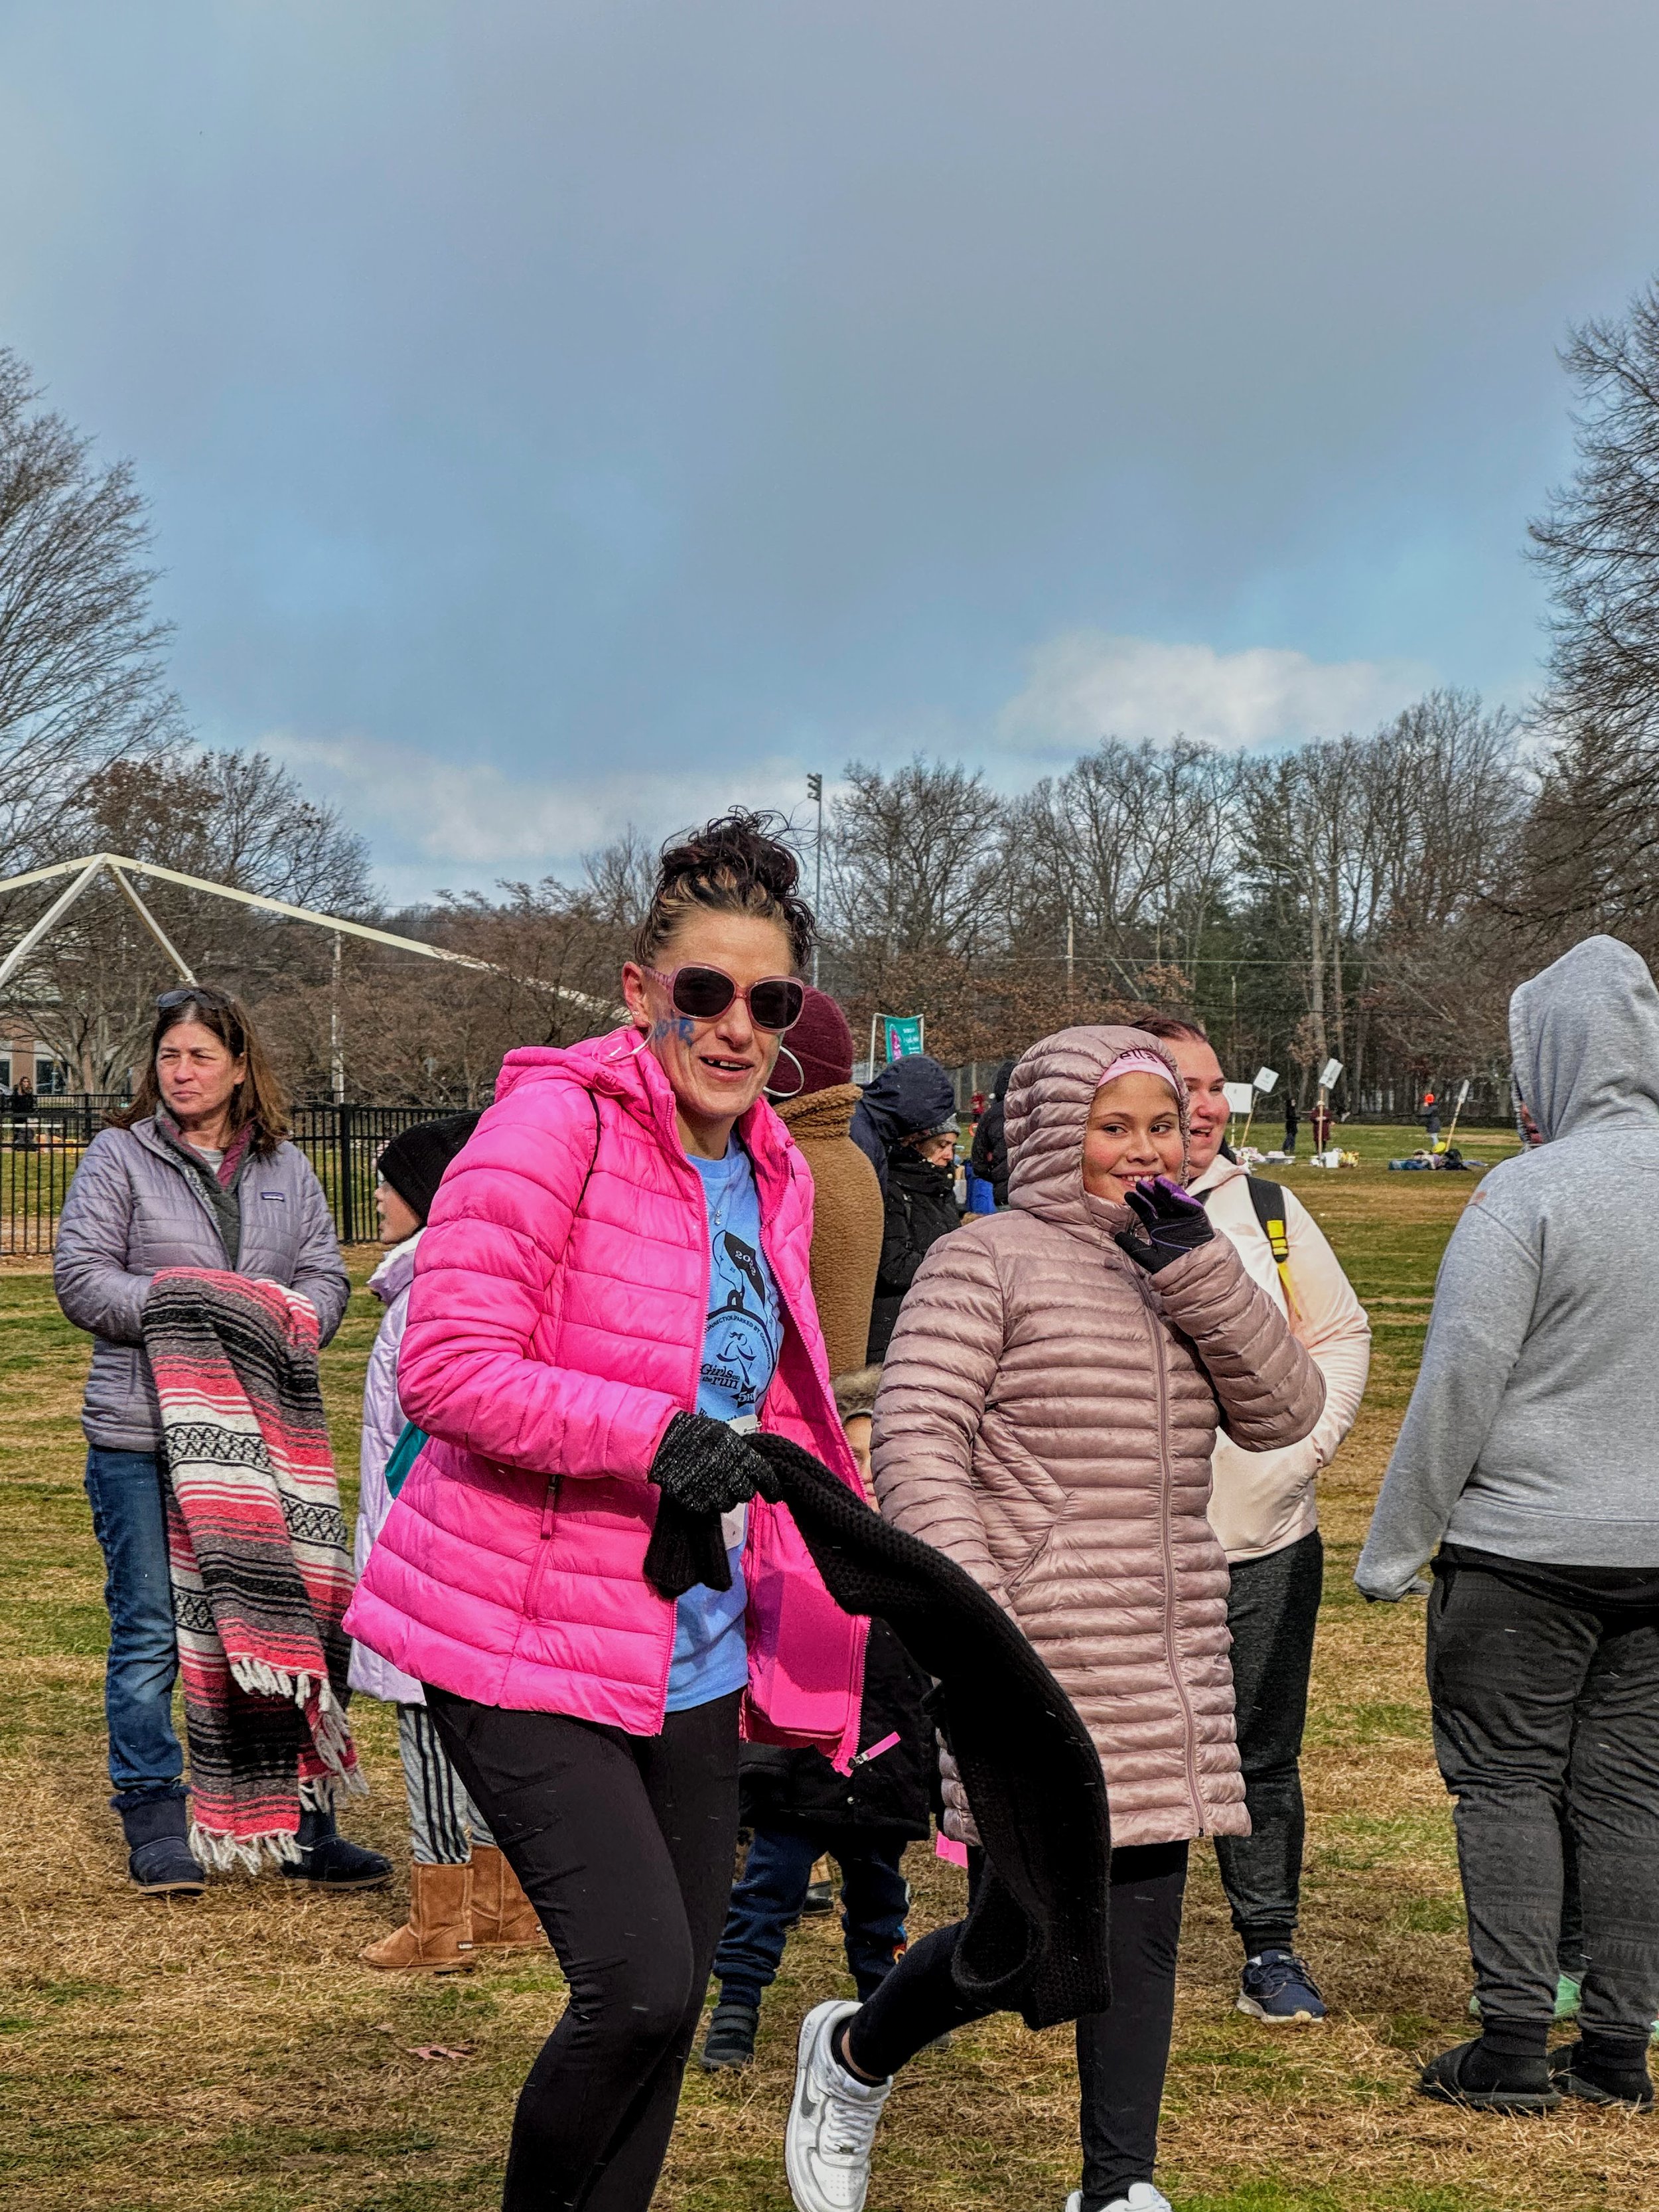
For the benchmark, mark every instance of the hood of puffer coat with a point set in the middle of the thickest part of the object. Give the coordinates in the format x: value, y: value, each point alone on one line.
x: 396, y: 1272
x: 1049, y: 1094
x: 1584, y: 1040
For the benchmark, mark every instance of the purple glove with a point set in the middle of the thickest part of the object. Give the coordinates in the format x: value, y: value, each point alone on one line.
x: 1174, y: 1223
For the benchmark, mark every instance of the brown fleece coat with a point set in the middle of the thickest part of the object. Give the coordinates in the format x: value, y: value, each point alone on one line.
x: 847, y: 1220
x: 1047, y: 1415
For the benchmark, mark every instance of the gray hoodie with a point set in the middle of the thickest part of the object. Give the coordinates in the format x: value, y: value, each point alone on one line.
x: 1534, y: 1429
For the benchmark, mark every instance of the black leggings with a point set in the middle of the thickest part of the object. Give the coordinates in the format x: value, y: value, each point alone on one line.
x: 625, y: 1847
x: 1121, y: 2055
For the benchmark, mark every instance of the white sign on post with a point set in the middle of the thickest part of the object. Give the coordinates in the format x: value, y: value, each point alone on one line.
x: 1329, y: 1073
x: 1463, y: 1094
x: 1264, y: 1079
x: 1240, y: 1096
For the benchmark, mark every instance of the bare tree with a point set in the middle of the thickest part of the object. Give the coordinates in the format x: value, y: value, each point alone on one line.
x: 82, y: 681
x: 1599, y: 543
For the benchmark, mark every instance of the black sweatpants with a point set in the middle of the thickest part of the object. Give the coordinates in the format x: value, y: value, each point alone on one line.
x: 1121, y: 2054
x: 1273, y: 1608
x: 625, y: 1847
x: 1546, y: 1720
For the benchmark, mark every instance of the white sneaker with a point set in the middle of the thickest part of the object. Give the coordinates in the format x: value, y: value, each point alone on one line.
x: 832, y: 2121
x: 1142, y: 2197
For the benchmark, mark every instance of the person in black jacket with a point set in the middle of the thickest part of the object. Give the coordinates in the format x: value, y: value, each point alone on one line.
x: 990, y: 1155
x: 911, y: 1094
x: 799, y: 1810
x: 919, y: 1207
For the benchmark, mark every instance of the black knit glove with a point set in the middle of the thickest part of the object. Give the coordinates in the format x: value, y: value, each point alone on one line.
x: 704, y: 1466
x: 703, y: 1469
x: 1174, y: 1223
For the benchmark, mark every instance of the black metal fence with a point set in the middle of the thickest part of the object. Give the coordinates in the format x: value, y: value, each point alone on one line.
x: 41, y: 1146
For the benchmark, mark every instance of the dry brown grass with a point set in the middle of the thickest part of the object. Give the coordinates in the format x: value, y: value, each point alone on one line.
x: 233, y: 2054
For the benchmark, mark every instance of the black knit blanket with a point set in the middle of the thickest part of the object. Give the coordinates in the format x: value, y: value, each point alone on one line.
x: 1034, y: 1939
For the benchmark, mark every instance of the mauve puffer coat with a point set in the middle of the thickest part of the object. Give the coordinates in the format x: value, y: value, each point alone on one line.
x: 1047, y: 1415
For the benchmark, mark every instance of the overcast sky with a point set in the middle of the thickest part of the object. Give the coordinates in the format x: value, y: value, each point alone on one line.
x: 561, y: 414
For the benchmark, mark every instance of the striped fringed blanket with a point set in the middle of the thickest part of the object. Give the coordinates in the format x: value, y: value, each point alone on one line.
x: 261, y: 1568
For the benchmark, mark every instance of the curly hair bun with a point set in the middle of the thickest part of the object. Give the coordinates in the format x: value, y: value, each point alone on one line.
x: 736, y: 864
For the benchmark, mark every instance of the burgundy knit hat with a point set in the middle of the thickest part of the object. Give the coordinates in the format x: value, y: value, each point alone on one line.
x: 822, y: 1042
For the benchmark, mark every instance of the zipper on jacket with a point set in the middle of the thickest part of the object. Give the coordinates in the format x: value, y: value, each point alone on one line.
x: 1160, y: 1361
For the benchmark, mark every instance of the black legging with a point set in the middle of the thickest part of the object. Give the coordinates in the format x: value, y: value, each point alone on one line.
x: 625, y: 1847
x: 1121, y: 2055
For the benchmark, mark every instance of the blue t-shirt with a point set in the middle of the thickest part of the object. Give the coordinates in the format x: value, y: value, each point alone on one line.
x: 743, y: 1334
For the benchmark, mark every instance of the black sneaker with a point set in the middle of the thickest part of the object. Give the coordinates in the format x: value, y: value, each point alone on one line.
x: 1524, y: 2084
x: 1598, y: 2084
x: 729, y: 2044
x: 820, y: 1899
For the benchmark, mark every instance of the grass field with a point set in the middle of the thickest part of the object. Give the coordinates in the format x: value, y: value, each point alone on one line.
x: 231, y: 2053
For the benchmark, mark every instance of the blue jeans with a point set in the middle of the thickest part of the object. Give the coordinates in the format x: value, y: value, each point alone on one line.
x: 129, y: 1518
x: 767, y: 1900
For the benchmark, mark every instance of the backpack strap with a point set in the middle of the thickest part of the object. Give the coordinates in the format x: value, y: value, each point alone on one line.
x: 1267, y: 1199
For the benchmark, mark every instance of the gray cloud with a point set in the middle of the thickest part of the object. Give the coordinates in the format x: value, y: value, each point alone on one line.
x: 689, y: 390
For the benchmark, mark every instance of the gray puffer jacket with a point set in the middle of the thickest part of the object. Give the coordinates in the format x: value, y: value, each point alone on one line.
x: 135, y: 1206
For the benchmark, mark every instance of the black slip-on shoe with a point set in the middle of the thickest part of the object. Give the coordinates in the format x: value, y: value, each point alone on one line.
x: 1577, y: 2076
x: 1526, y: 2087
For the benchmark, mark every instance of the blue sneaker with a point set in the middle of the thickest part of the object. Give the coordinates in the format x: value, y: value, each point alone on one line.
x: 1278, y: 1988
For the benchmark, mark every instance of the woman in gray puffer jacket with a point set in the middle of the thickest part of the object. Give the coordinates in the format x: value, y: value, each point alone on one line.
x: 197, y: 1173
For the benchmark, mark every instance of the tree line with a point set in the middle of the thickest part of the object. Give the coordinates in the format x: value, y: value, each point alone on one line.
x: 1367, y: 897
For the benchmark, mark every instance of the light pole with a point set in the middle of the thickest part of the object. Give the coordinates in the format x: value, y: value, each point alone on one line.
x: 814, y: 790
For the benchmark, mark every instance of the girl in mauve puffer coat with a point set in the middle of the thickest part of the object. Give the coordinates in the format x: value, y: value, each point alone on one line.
x: 1046, y: 1416
x: 613, y: 1286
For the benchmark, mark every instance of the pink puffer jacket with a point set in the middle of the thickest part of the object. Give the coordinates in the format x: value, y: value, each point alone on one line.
x: 1046, y: 1416
x: 555, y: 1327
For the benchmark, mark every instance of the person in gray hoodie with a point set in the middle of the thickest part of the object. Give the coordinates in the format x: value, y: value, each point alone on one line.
x: 1525, y: 1468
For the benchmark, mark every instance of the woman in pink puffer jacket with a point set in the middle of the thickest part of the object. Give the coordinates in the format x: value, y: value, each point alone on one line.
x: 612, y: 1288
x: 1046, y: 1416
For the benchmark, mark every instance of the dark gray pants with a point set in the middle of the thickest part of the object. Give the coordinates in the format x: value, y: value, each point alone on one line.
x: 1272, y: 1610
x: 1547, y: 1719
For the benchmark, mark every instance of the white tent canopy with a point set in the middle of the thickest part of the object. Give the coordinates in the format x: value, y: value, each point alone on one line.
x: 121, y: 868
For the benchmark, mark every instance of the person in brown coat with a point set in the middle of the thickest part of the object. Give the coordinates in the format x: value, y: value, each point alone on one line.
x: 1047, y: 1416
x: 847, y: 1216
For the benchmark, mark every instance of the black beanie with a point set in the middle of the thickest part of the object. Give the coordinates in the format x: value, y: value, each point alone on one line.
x: 414, y: 1162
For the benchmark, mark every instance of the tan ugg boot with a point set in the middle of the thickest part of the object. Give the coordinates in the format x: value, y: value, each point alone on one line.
x: 503, y: 1918
x: 437, y: 1937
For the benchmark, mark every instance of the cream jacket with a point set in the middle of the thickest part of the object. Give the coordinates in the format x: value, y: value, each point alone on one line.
x: 1261, y: 1501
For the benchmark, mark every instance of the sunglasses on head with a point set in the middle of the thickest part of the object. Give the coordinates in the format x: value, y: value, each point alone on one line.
x: 200, y: 994
x: 704, y: 993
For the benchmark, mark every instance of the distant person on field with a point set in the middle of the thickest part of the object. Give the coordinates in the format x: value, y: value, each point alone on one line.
x: 1293, y: 1122
x: 198, y: 1172
x: 1524, y: 1470
x: 22, y: 1105
x: 463, y: 1898
x: 1431, y: 1118
x: 1265, y: 1515
x: 989, y: 1159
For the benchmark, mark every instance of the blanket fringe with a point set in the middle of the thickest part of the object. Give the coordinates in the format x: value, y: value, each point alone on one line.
x: 330, y: 1731
x: 218, y: 1847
